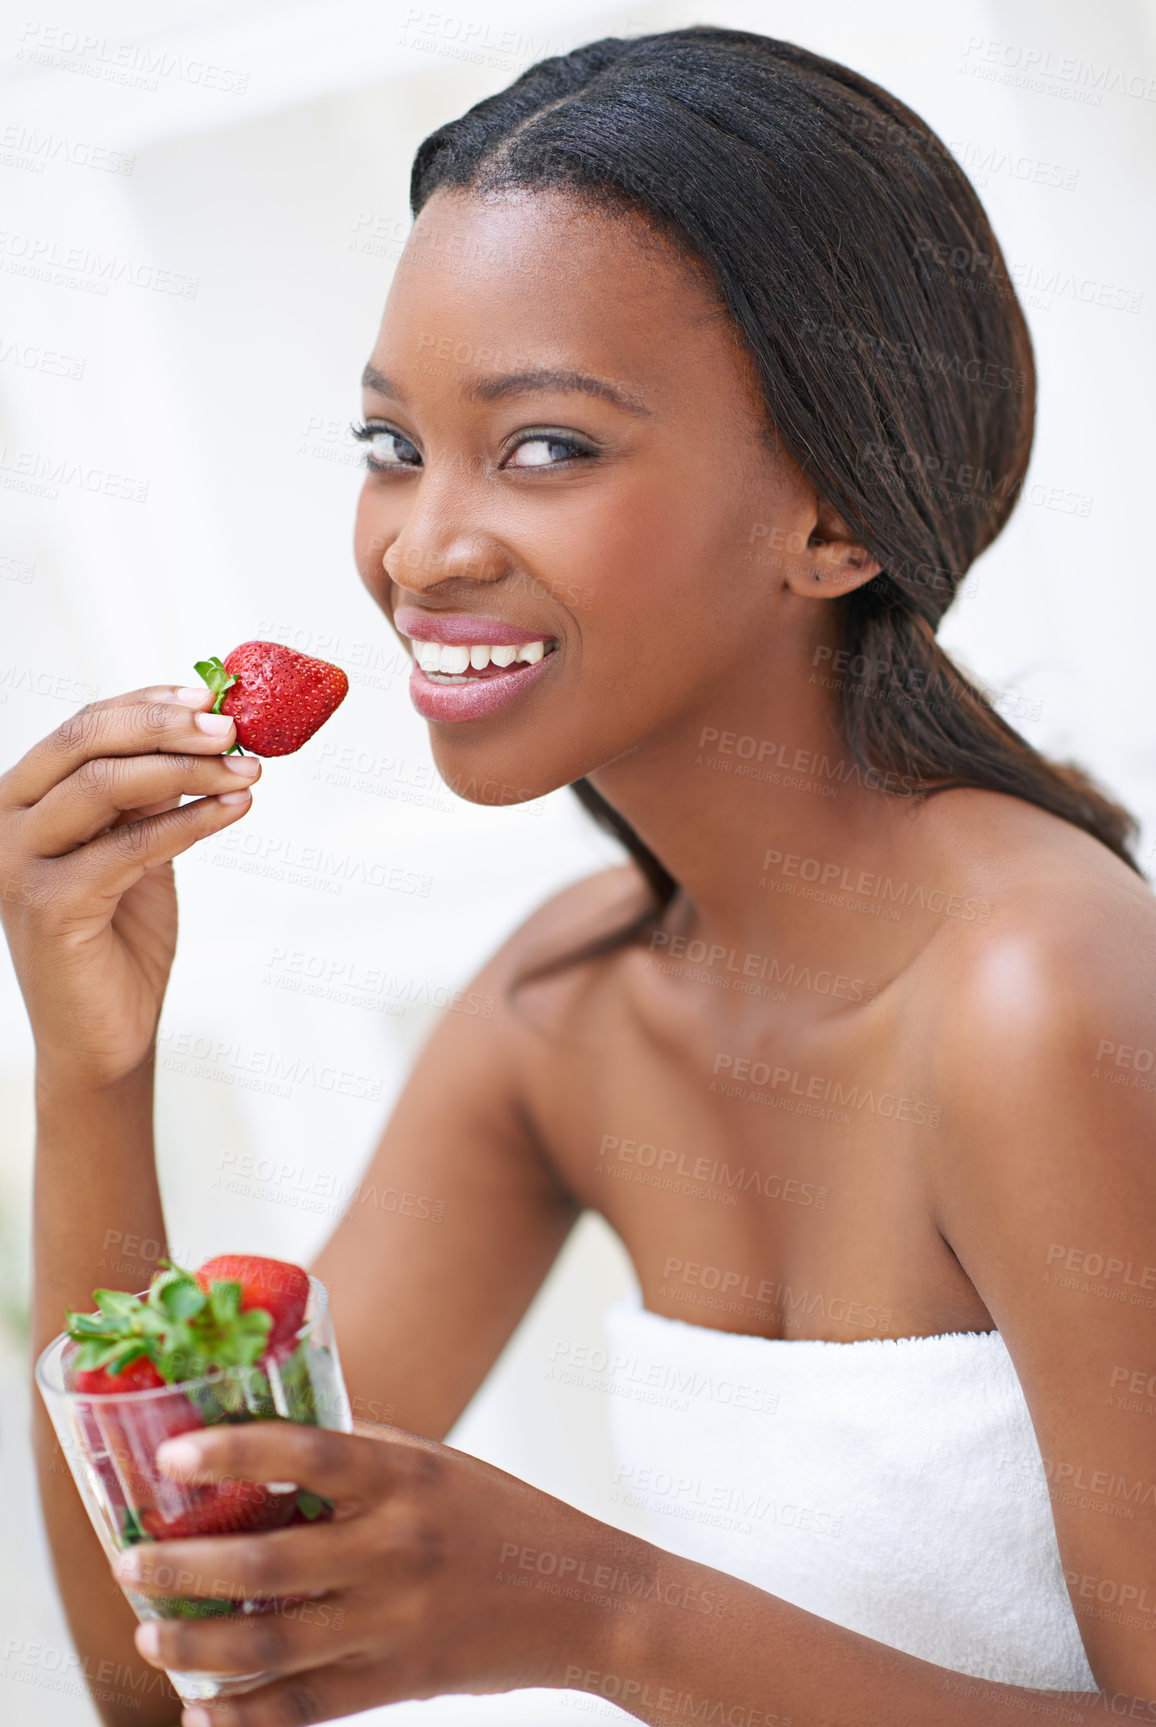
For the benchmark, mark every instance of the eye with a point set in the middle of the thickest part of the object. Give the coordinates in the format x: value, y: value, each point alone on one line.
x: 387, y: 448
x: 537, y: 449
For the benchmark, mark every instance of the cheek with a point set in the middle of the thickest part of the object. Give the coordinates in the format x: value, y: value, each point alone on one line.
x: 657, y: 581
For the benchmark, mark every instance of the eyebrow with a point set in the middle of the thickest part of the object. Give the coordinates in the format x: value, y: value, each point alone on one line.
x: 504, y: 385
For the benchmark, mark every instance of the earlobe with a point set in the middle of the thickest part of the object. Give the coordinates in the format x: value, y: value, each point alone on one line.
x: 838, y: 561
x: 835, y: 567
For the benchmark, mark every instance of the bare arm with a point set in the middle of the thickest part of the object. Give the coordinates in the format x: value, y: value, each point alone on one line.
x: 454, y: 1224
x: 96, y: 1146
x: 433, y: 1582
x: 90, y: 820
x: 449, y: 1234
x: 1044, y: 1182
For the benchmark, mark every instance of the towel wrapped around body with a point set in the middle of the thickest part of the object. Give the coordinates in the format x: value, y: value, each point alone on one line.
x: 894, y: 1486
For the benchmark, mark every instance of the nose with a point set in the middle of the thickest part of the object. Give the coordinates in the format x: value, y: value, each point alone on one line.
x: 441, y: 539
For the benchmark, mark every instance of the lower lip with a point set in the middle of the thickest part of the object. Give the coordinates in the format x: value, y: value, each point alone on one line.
x: 477, y: 698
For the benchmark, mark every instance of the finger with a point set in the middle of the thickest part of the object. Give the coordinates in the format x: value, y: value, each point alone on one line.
x: 146, y: 810
x: 122, y: 726
x: 103, y: 788
x: 341, y: 1466
x: 276, y: 1562
x: 105, y: 869
x: 291, y: 1637
x: 324, y: 1693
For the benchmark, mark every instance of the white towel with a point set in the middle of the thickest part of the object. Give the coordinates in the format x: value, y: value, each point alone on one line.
x: 894, y: 1486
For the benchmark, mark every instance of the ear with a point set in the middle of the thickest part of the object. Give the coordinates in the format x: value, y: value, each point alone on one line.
x: 834, y: 561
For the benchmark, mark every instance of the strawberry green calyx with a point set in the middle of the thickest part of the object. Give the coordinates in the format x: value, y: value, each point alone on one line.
x: 218, y: 680
x: 185, y: 1332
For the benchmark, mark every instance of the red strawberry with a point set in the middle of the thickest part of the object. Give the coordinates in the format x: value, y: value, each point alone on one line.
x: 222, y: 1508
x: 139, y: 1375
x: 273, y: 1284
x: 277, y: 698
x: 122, y: 1440
x: 237, y: 1310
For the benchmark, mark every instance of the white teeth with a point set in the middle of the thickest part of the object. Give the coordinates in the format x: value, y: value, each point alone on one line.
x: 452, y: 659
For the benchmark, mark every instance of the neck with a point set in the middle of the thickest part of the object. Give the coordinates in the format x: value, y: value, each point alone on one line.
x: 755, y: 806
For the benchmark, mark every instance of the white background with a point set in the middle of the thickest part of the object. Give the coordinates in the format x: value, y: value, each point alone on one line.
x: 227, y: 409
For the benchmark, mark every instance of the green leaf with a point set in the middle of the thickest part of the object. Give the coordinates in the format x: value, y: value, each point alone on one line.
x: 312, y: 1505
x: 87, y: 1325
x: 181, y: 1297
x: 217, y: 678
x: 225, y: 1300
x: 132, y: 1533
x: 124, y: 1355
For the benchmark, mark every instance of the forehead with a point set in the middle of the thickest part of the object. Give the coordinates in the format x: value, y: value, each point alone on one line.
x: 517, y: 278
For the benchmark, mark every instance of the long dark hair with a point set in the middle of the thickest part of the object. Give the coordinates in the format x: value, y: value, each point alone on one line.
x: 857, y: 263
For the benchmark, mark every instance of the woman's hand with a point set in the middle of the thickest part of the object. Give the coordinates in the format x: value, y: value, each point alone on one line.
x: 438, y: 1574
x: 89, y: 825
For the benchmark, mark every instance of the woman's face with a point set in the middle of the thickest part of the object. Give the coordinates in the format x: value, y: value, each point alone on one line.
x: 619, y: 515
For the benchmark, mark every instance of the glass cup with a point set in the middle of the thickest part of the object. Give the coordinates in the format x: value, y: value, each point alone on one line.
x: 110, y: 1442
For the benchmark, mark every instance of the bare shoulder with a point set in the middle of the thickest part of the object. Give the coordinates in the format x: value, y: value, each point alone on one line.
x: 1042, y: 1038
x: 1043, y: 1179
x: 1065, y: 951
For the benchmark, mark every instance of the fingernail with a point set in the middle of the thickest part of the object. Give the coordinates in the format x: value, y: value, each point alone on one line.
x: 247, y: 766
x: 181, y: 1453
x: 191, y: 696
x: 241, y: 797
x: 215, y: 724
x: 196, y: 1717
x: 148, y: 1639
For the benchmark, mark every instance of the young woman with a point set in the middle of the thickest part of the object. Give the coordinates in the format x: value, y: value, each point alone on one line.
x: 702, y: 371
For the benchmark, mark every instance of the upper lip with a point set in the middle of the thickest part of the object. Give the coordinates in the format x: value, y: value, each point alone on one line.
x: 456, y: 629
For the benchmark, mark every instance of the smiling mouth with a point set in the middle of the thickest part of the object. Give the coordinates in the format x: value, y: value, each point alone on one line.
x: 458, y: 664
